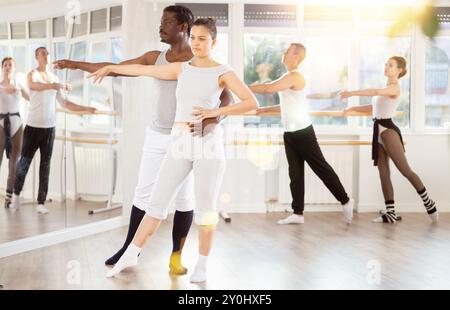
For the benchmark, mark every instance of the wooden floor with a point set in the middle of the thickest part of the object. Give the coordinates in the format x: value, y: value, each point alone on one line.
x: 25, y: 222
x: 254, y: 253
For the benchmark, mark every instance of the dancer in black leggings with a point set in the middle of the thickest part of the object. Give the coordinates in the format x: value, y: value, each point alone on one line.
x: 39, y: 133
x: 300, y: 140
x: 388, y: 141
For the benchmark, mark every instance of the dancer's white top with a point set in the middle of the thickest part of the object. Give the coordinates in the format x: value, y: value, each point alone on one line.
x: 10, y: 103
x: 294, y: 111
x: 165, y: 103
x: 384, y: 107
x: 42, y: 111
x: 198, y: 87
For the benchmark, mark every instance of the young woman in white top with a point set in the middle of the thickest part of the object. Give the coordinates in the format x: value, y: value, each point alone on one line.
x: 300, y: 140
x: 200, y: 83
x: 387, y: 138
x: 11, y: 93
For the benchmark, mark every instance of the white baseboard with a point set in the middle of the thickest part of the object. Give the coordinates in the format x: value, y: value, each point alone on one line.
x: 49, y: 239
x: 27, y: 195
x: 279, y: 207
x: 361, y: 208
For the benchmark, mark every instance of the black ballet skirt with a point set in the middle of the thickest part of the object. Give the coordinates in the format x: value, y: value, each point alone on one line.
x: 388, y: 123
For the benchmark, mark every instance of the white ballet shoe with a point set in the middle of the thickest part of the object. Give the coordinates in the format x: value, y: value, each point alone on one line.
x: 292, y: 219
x: 122, y: 264
x: 128, y: 259
x: 380, y: 219
x: 348, y: 211
x: 15, y: 202
x: 41, y: 209
x: 434, y: 217
x: 199, y: 275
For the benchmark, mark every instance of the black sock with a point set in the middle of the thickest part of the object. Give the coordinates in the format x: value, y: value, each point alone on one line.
x: 135, y: 220
x: 182, y: 222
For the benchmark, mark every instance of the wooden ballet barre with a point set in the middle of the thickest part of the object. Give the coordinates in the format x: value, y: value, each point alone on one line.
x: 88, y: 141
x: 321, y: 142
x: 112, y: 113
x: 323, y: 113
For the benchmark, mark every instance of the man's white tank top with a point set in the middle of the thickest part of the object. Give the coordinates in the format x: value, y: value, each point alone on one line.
x: 294, y: 111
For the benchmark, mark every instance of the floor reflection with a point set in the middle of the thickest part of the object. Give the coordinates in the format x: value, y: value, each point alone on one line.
x: 25, y: 222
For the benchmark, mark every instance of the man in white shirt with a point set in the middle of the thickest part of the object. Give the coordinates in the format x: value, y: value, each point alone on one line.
x: 39, y: 132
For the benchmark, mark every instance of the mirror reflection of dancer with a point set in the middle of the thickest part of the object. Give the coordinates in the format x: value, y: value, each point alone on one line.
x: 387, y: 139
x: 39, y: 132
x: 11, y: 92
x: 205, y: 156
x: 299, y: 138
x: 174, y: 30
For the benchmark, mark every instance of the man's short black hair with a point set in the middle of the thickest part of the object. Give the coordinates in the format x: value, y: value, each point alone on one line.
x: 182, y: 14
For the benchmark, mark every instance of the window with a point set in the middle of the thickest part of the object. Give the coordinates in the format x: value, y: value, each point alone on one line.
x: 76, y: 77
x: 326, y: 72
x: 263, y: 15
x: 4, y: 52
x: 115, y: 18
x: 19, y: 53
x: 326, y: 13
x: 216, y: 11
x: 382, y: 14
x: 263, y: 53
x: 437, y: 92
x: 4, y: 31
x: 59, y: 27
x: 80, y: 25
x: 374, y: 53
x: 98, y: 21
x: 117, y: 100
x: 59, y: 52
x: 38, y: 29
x: 18, y: 30
x: 220, y: 51
x: 262, y: 64
x: 98, y: 94
x: 443, y: 15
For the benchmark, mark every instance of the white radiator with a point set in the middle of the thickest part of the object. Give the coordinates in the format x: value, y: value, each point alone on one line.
x: 93, y: 170
x: 315, y: 191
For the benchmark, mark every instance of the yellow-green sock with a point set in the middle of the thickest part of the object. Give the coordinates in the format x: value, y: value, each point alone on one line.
x: 176, y: 267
